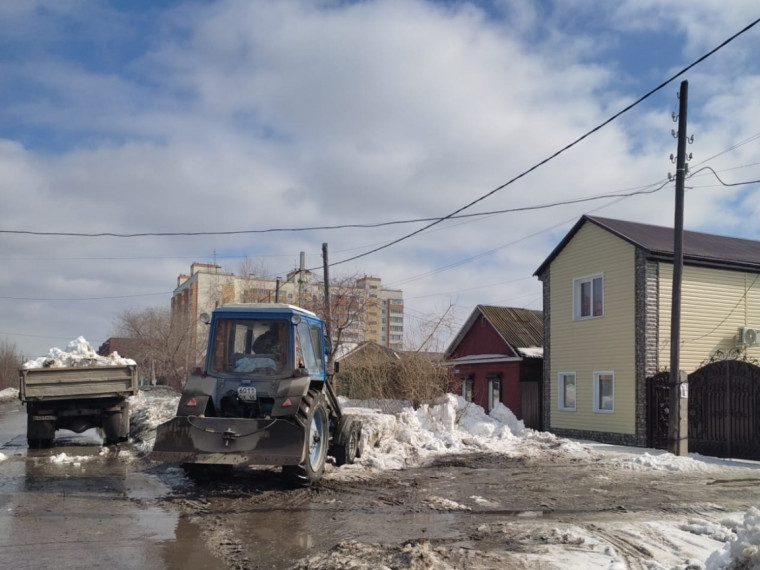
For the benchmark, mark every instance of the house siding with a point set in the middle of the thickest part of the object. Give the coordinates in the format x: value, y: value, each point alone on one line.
x: 715, y: 304
x: 599, y: 344
x: 482, y: 339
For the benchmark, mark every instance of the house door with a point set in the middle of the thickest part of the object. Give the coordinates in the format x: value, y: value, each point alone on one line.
x: 494, y: 390
x: 530, y: 399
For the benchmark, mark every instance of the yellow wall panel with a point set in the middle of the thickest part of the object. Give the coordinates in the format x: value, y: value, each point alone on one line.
x: 604, y: 343
x: 715, y: 304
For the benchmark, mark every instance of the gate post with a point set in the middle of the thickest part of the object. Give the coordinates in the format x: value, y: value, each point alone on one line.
x: 678, y: 432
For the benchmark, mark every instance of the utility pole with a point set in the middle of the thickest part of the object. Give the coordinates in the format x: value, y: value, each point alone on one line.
x: 328, y: 307
x: 678, y: 427
x: 301, y: 269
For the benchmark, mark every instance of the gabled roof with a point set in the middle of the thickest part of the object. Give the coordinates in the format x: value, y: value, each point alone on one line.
x: 519, y: 328
x: 701, y: 249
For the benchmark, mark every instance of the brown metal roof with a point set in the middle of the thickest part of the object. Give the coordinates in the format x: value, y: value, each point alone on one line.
x: 700, y: 249
x: 520, y: 328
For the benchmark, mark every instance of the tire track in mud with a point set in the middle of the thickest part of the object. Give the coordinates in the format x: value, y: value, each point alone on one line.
x: 625, y: 546
x: 496, y: 509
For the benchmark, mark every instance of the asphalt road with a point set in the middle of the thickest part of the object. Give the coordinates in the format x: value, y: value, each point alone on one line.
x: 86, y: 509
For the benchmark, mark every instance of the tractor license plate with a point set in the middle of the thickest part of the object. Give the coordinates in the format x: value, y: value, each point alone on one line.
x: 247, y: 393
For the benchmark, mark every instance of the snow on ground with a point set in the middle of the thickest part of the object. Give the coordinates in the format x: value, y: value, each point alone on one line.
x: 396, y: 436
x: 78, y: 352
x: 8, y: 395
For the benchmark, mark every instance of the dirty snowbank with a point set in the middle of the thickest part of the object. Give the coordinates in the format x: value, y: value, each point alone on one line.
x: 8, y: 395
x: 78, y: 352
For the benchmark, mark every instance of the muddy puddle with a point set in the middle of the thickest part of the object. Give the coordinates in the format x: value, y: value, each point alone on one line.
x: 79, y: 505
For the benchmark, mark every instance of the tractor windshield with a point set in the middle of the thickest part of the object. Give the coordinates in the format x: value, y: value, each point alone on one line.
x: 252, y: 347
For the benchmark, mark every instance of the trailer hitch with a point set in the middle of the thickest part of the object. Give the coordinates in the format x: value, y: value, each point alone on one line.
x: 229, y: 436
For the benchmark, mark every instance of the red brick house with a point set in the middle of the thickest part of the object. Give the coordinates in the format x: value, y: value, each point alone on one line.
x: 498, y: 357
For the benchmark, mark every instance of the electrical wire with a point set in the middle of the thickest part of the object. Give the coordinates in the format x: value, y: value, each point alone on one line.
x: 721, y: 181
x: 563, y: 149
x: 434, y: 221
x: 315, y: 228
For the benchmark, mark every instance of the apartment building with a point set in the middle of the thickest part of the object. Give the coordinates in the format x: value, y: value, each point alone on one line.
x: 374, y: 313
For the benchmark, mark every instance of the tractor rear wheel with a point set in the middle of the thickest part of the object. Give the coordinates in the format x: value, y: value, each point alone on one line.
x: 313, y: 416
x: 346, y: 447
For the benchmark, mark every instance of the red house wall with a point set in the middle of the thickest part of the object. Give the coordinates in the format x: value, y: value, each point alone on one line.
x: 510, y: 383
x: 481, y: 340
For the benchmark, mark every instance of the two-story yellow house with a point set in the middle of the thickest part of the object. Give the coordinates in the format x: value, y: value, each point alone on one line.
x: 607, y: 310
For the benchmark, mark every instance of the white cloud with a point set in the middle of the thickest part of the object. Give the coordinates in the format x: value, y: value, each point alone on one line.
x: 239, y: 115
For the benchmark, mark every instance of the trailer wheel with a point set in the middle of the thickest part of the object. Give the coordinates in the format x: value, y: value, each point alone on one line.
x: 113, y: 428
x: 313, y: 416
x: 39, y: 433
x: 346, y: 448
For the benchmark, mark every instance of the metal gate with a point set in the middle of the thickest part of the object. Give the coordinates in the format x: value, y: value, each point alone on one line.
x: 724, y: 410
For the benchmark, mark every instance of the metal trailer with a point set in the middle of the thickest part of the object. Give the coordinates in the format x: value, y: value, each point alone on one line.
x: 77, y: 398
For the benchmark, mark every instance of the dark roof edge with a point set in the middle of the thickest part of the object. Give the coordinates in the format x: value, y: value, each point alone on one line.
x: 561, y: 245
x: 654, y: 254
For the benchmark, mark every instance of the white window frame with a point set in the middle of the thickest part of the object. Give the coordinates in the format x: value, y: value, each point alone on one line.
x: 493, y: 380
x: 468, y: 387
x: 561, y: 403
x: 577, y: 302
x: 597, y: 379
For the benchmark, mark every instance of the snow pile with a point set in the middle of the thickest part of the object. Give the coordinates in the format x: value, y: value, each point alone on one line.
x: 148, y: 409
x: 8, y: 395
x: 78, y: 352
x: 75, y: 460
x: 666, y: 462
x: 413, y: 555
x: 743, y: 552
x: 453, y: 425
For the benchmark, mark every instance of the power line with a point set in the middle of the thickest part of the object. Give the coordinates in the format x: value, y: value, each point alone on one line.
x: 368, y: 225
x: 518, y: 240
x: 721, y: 181
x: 562, y: 150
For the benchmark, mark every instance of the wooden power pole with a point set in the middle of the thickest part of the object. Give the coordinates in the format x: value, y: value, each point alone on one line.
x: 678, y: 427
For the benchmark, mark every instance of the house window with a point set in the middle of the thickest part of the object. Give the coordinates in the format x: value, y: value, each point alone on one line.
x: 467, y: 383
x: 604, y: 392
x: 588, y: 297
x: 567, y: 391
x: 494, y: 390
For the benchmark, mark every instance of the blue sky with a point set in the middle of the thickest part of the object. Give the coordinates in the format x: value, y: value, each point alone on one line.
x: 174, y: 116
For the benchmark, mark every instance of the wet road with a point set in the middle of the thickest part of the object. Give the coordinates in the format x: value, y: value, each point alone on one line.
x: 87, y: 508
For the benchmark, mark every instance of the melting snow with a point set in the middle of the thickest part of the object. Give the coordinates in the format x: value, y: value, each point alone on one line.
x: 78, y: 352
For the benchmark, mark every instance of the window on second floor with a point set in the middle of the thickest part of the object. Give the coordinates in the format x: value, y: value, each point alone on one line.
x: 588, y: 297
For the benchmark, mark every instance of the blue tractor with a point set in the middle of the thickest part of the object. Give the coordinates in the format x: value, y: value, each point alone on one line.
x: 264, y: 397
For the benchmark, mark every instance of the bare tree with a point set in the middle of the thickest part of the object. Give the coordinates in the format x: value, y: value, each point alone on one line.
x: 254, y: 267
x: 163, y: 344
x: 432, y: 333
x: 348, y: 306
x: 10, y: 362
